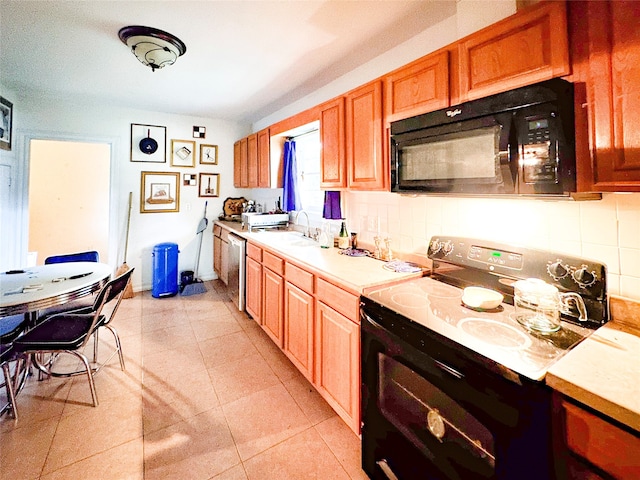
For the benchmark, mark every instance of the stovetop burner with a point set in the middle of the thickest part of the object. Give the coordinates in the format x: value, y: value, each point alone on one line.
x: 495, y: 333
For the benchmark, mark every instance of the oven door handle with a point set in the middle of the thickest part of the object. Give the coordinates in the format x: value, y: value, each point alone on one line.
x: 450, y: 370
x: 386, y: 469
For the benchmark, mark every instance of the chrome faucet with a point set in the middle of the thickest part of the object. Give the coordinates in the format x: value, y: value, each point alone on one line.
x: 307, y: 232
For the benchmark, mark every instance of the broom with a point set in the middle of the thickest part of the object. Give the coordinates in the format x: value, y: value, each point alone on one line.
x: 196, y: 286
x: 128, y: 290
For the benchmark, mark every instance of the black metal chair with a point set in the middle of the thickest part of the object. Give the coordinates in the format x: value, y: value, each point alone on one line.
x: 10, y: 328
x: 89, y: 256
x: 113, y: 301
x: 69, y: 332
x: 12, y: 383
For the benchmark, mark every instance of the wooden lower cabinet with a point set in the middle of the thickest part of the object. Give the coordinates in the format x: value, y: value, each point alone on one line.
x: 253, y: 289
x: 221, y: 253
x: 337, y: 358
x: 273, y: 305
x: 298, y: 328
x: 593, y: 447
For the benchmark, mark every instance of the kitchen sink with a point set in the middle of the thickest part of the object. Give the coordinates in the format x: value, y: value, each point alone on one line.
x: 286, y: 238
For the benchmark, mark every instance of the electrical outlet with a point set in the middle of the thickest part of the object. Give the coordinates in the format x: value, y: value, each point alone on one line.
x: 187, y: 207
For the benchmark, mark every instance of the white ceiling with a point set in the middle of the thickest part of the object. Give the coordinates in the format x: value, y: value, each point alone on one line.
x: 244, y: 59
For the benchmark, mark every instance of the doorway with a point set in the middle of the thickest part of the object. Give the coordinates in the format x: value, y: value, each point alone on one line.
x: 69, y: 187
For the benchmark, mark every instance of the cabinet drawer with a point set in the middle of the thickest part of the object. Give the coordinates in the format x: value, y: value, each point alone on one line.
x: 224, y: 235
x: 343, y: 302
x: 273, y: 262
x: 603, y: 444
x: 299, y: 277
x: 217, y: 229
x: 254, y: 252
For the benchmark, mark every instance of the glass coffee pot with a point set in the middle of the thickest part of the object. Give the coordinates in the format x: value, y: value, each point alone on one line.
x: 538, y: 305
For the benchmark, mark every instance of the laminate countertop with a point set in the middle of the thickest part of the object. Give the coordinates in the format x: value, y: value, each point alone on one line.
x: 603, y: 371
x: 354, y: 273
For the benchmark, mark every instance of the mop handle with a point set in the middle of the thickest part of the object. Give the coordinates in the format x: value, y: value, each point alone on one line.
x: 126, y: 242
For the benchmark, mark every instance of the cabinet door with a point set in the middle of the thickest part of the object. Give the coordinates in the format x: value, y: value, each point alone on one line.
x: 264, y: 158
x: 224, y: 262
x: 237, y: 163
x: 613, y: 90
x: 273, y: 305
x: 608, y: 447
x: 217, y: 259
x: 298, y: 328
x: 252, y: 161
x: 420, y: 87
x: 241, y: 165
x: 337, y: 344
x: 523, y: 49
x: 253, y: 292
x: 365, y: 161
x: 333, y: 172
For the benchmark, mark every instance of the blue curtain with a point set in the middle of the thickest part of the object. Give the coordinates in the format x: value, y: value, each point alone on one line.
x: 332, y: 206
x: 290, y: 187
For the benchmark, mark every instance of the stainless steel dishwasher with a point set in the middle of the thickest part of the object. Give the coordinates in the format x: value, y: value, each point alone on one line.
x: 236, y: 280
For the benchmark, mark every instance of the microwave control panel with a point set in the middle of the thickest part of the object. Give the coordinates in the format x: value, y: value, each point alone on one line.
x: 538, y: 154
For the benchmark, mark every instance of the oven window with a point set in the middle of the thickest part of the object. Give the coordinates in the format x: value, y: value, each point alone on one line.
x: 469, y: 155
x: 434, y: 422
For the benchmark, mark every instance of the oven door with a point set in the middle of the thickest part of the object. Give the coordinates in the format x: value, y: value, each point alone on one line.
x: 442, y: 415
x: 477, y: 156
x: 411, y: 427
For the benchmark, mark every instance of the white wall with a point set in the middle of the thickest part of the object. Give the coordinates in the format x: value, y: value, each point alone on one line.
x: 606, y: 230
x: 49, y: 118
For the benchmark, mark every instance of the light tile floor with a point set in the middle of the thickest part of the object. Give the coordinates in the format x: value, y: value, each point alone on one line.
x: 205, y: 395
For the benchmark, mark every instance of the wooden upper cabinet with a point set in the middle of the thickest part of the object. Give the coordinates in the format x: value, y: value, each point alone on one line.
x: 420, y: 87
x: 264, y: 159
x: 333, y: 173
x: 366, y: 166
x: 240, y: 164
x: 252, y: 161
x: 525, y: 48
x: 236, y: 163
x: 613, y: 93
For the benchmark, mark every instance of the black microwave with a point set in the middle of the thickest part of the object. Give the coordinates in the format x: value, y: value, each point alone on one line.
x: 520, y: 142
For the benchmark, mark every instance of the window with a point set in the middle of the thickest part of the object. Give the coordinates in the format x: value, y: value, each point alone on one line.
x: 308, y: 159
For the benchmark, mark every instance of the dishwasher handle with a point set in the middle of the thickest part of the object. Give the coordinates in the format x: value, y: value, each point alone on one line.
x: 235, y: 240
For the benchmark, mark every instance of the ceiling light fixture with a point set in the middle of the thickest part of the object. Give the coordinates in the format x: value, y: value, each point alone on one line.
x: 155, y: 48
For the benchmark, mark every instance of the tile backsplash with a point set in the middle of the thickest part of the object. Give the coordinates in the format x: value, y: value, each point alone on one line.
x: 606, y: 230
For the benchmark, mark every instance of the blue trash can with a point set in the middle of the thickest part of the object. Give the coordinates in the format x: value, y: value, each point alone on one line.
x: 165, y: 270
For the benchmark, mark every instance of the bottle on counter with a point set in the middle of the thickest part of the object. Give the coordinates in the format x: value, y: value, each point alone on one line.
x: 343, y: 236
x: 325, y: 239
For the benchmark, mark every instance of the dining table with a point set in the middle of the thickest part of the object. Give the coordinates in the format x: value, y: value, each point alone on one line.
x: 29, y: 290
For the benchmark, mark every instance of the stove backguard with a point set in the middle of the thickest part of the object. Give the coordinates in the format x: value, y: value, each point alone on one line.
x: 465, y: 262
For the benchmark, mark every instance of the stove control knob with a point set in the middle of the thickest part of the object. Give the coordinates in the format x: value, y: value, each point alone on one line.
x: 584, y: 277
x: 436, y: 246
x: 447, y: 248
x: 557, y: 270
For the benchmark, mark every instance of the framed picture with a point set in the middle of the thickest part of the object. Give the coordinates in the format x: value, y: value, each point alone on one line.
x: 6, y: 123
x: 208, y: 154
x: 199, y: 132
x: 209, y: 185
x: 189, y: 179
x: 183, y: 153
x: 148, y: 143
x: 159, y: 192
